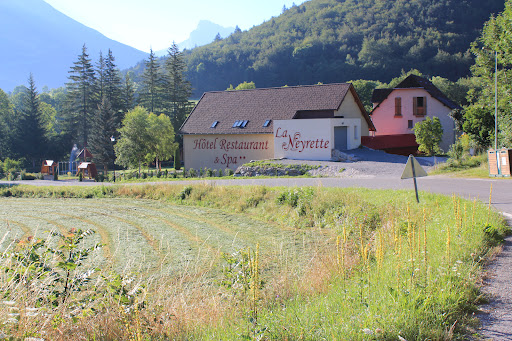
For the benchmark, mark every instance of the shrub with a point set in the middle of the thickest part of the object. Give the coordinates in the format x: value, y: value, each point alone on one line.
x: 209, y: 172
x: 192, y: 173
x: 185, y: 192
x: 177, y: 160
x: 228, y: 172
x: 429, y: 134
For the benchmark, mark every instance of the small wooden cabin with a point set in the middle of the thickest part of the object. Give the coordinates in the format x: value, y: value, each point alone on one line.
x: 87, y: 169
x: 49, y: 167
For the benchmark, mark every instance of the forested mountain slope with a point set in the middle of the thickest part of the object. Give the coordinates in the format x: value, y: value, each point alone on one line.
x: 340, y: 40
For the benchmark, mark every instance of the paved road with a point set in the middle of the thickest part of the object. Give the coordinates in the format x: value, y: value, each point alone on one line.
x: 467, y: 188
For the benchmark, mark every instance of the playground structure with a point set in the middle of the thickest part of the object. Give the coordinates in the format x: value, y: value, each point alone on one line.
x: 87, y: 169
x: 49, y: 167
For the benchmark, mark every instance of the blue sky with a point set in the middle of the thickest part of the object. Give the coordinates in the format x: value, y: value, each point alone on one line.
x: 146, y: 24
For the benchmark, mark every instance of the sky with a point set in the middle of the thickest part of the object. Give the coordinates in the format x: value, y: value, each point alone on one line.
x: 155, y: 24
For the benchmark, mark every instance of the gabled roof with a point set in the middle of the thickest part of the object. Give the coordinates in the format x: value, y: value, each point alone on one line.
x: 414, y: 82
x: 259, y: 105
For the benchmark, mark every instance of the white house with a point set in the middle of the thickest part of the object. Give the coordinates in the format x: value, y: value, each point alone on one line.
x: 229, y: 128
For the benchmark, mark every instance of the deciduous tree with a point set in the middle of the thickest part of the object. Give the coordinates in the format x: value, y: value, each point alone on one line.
x: 429, y: 134
x: 492, y: 46
x: 162, y: 146
x: 134, y: 139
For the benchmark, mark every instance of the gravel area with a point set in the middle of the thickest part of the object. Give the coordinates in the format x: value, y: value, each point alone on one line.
x: 370, y: 164
x: 496, y: 316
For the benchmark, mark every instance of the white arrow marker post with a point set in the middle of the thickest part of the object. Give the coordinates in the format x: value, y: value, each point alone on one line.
x: 413, y: 170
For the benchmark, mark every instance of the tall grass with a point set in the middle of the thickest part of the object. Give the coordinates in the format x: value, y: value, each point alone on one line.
x: 389, y: 269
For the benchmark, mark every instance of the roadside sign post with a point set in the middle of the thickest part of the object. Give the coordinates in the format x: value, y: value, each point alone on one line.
x: 413, y: 170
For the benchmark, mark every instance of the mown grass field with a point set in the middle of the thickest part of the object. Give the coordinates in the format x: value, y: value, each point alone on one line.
x: 255, y: 263
x: 150, y: 237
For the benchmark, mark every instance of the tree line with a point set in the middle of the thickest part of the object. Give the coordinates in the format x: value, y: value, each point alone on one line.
x: 89, y: 111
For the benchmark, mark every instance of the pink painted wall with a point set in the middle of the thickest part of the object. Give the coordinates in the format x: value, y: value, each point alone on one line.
x: 387, y: 123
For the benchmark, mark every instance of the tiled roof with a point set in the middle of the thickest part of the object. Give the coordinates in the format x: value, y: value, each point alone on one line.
x: 259, y: 105
x: 412, y: 82
x: 379, y: 95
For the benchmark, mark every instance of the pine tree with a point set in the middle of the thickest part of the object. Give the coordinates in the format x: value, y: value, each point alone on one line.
x: 102, y: 129
x: 113, y: 88
x: 128, y: 92
x: 100, y: 78
x: 32, y: 133
x: 178, y: 88
x: 152, y: 91
x: 81, y: 98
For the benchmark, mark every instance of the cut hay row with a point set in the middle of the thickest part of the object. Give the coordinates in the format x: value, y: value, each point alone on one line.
x: 153, y: 237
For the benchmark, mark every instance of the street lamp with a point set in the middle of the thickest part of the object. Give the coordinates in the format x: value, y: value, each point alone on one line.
x: 113, y: 139
x: 496, y: 110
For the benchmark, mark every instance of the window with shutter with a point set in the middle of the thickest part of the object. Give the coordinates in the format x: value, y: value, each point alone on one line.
x: 398, y: 106
x: 419, y: 106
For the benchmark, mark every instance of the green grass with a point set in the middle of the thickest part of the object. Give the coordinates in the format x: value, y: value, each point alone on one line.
x: 469, y: 167
x: 335, y: 264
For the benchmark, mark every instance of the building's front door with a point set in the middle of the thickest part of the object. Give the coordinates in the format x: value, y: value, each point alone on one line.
x: 340, y: 138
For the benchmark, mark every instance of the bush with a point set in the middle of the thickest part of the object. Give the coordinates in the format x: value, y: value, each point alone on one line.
x: 192, y: 173
x: 177, y: 160
x: 429, y: 134
x: 185, y: 192
x: 11, y: 175
x: 228, y: 172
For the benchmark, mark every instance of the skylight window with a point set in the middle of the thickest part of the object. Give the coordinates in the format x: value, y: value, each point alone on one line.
x: 267, y: 123
x: 240, y: 124
x: 214, y: 124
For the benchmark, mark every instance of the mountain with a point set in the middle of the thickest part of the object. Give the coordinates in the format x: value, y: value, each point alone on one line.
x: 341, y: 40
x: 205, y: 33
x: 34, y: 37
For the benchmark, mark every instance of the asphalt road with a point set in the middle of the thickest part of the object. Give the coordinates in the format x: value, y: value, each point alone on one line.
x: 467, y: 188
